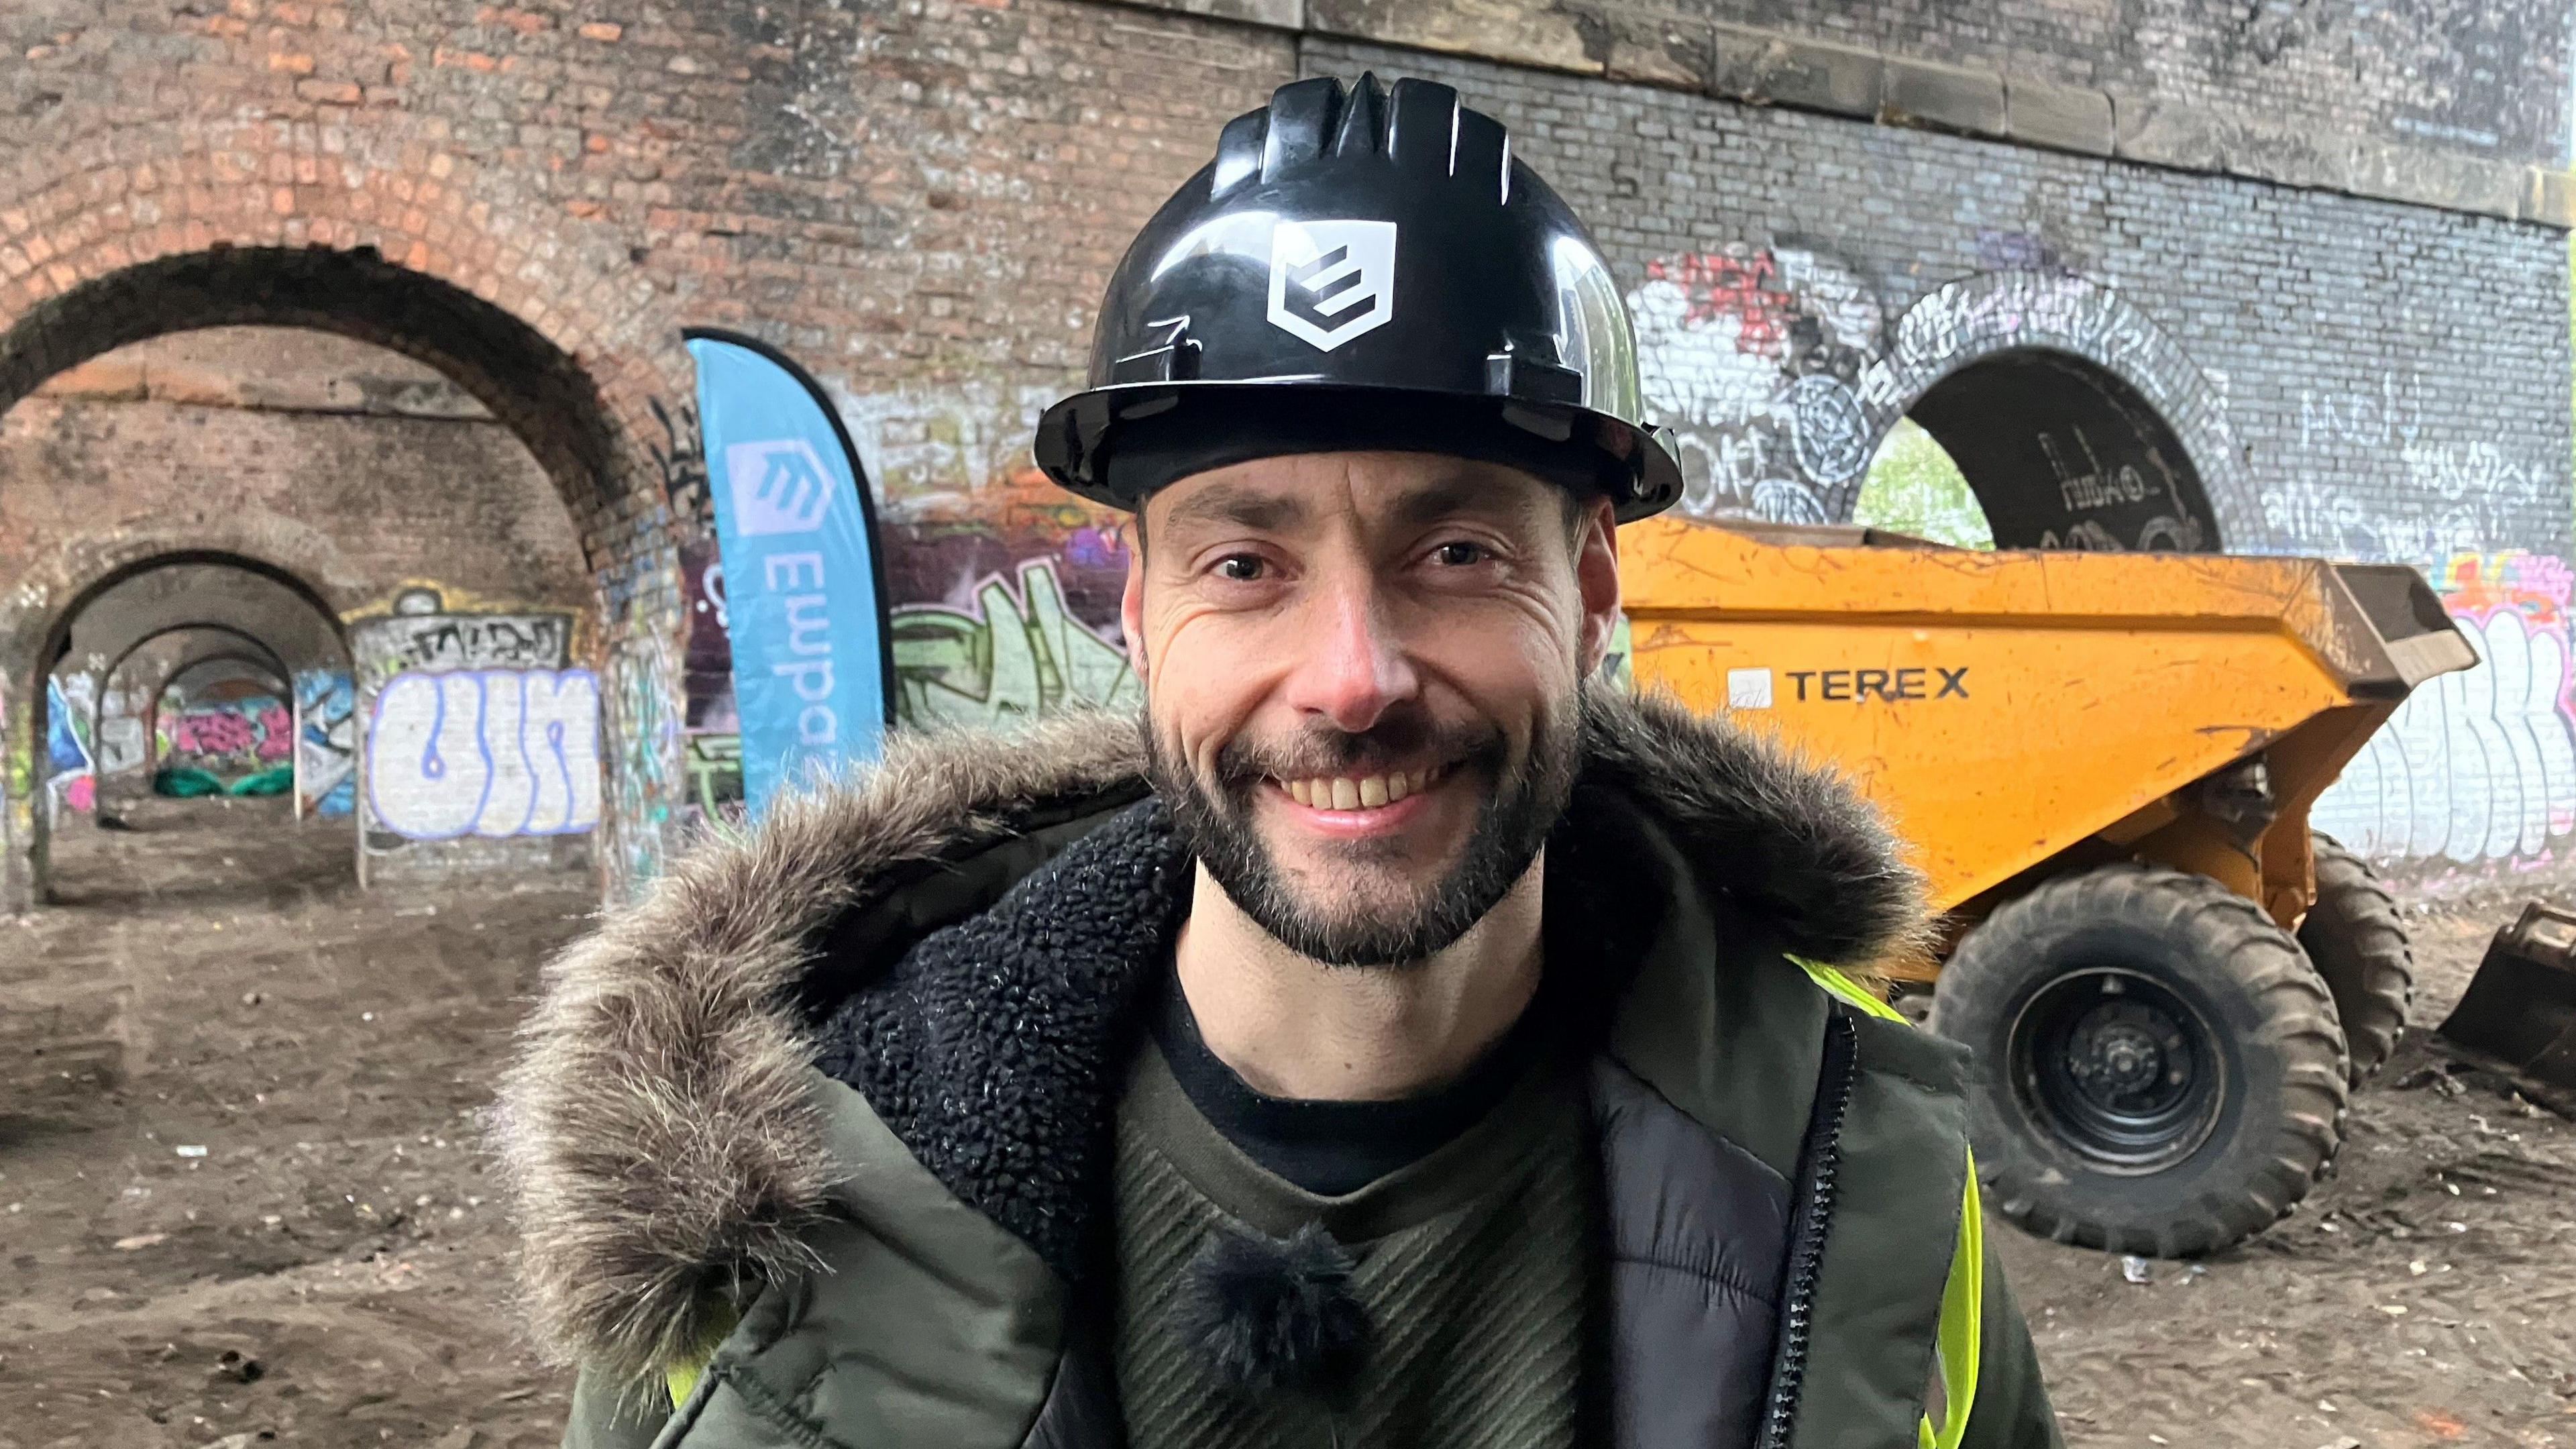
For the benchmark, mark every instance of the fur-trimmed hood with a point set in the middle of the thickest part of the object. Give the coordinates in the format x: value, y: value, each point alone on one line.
x: 659, y: 1124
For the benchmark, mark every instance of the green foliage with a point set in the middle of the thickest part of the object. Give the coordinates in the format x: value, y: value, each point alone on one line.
x: 1913, y: 487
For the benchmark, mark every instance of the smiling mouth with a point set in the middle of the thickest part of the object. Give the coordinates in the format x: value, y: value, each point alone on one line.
x: 1361, y: 792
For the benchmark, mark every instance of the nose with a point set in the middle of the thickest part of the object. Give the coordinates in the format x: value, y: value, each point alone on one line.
x: 1351, y: 666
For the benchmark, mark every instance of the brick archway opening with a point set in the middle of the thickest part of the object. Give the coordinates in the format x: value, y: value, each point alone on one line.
x: 293, y: 625
x: 543, y: 394
x: 2062, y: 453
x: 545, y: 397
x: 203, y: 641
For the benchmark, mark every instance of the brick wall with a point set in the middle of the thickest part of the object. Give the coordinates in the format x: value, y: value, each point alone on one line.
x: 401, y: 492
x: 920, y: 201
x: 2473, y: 77
x: 2347, y: 377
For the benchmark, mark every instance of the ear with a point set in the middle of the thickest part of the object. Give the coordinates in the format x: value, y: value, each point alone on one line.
x: 1596, y: 582
x: 1131, y: 603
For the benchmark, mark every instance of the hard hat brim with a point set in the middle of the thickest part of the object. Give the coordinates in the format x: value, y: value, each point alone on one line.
x: 1116, y: 445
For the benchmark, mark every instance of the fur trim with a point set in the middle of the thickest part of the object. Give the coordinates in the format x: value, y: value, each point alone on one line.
x: 657, y: 1125
x: 1788, y: 837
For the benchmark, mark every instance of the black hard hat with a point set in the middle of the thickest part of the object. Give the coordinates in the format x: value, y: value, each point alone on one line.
x: 1361, y: 269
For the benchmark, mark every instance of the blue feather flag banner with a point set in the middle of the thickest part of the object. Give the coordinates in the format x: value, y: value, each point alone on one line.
x: 803, y: 576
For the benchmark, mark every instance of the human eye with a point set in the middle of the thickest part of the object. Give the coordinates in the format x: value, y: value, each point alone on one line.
x: 1242, y: 568
x: 1459, y: 553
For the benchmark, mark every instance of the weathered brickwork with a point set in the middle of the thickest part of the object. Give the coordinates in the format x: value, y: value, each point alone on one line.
x: 371, y: 482
x: 920, y: 199
x: 2333, y: 407
x: 2338, y: 376
x: 2454, y: 103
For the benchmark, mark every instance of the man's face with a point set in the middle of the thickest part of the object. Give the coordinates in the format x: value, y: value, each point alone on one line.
x: 1362, y: 677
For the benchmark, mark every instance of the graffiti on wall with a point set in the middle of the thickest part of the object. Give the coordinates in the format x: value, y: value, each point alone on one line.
x: 1752, y: 356
x: 1781, y: 372
x: 326, y: 741
x: 490, y: 752
x: 642, y: 687
x: 477, y: 723
x: 710, y: 728
x: 227, y: 736
x: 1014, y: 654
x: 71, y: 774
x: 2479, y: 767
x: 423, y: 630
x: 2460, y: 495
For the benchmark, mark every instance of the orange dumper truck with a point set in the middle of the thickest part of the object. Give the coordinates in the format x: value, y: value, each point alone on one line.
x: 2104, y: 763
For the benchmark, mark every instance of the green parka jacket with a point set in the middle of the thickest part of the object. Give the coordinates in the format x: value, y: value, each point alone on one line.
x: 739, y: 1248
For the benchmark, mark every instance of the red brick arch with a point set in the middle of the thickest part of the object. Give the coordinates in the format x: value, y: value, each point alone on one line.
x: 372, y: 228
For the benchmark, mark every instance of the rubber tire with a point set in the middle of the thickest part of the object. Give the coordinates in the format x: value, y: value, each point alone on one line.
x: 2279, y: 1120
x: 2358, y: 943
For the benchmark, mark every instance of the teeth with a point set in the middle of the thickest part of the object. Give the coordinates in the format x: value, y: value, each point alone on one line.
x: 1368, y: 793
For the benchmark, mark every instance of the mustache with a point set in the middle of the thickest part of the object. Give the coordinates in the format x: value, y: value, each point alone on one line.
x: 1391, y: 744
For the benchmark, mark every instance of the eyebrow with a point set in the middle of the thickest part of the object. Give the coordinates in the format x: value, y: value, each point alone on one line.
x: 1239, y: 506
x: 1448, y: 497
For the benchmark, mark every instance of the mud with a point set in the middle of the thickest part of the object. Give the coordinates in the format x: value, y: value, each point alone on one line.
x: 333, y: 1269
x: 2423, y: 1295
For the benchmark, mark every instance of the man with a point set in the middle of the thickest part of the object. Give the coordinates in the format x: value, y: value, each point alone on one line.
x: 1400, y: 1040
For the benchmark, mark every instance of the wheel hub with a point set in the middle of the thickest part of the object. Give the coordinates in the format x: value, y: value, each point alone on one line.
x: 2123, y: 1070
x: 2119, y: 1054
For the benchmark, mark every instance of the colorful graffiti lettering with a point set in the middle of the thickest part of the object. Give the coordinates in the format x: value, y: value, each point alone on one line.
x: 217, y: 731
x: 70, y: 771
x: 1016, y: 654
x: 1741, y: 286
x: 2476, y: 767
x: 644, y: 671
x: 492, y: 752
x: 227, y: 738
x: 326, y: 747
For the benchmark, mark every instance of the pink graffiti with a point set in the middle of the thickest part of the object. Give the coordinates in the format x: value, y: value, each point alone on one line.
x: 276, y: 733
x: 82, y: 793
x: 214, y: 732
x: 2534, y: 585
x: 1716, y: 285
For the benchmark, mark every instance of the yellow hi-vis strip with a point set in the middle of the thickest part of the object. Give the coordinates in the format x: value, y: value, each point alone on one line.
x: 1963, y: 1323
x: 1963, y: 1307
x: 681, y: 1375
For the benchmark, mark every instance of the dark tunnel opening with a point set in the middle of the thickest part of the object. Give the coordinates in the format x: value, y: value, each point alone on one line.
x: 2061, y: 453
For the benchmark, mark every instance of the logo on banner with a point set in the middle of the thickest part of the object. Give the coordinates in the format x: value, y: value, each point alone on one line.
x: 778, y: 486
x: 1331, y: 281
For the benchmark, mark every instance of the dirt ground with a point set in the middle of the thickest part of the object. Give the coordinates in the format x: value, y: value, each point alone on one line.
x: 331, y: 1268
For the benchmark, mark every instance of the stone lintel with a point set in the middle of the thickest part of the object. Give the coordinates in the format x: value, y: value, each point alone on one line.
x: 1943, y: 97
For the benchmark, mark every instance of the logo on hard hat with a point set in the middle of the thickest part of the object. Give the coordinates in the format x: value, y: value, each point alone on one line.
x: 1330, y: 281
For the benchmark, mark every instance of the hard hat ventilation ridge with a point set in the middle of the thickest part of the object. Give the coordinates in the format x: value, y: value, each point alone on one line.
x: 1418, y: 125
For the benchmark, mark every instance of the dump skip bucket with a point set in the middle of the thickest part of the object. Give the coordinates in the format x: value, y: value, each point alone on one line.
x: 2520, y: 1009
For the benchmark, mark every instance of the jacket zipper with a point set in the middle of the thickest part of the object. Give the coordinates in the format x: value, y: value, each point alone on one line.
x: 1820, y: 1158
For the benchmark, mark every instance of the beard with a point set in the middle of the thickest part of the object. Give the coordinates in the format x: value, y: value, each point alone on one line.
x: 1381, y: 919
